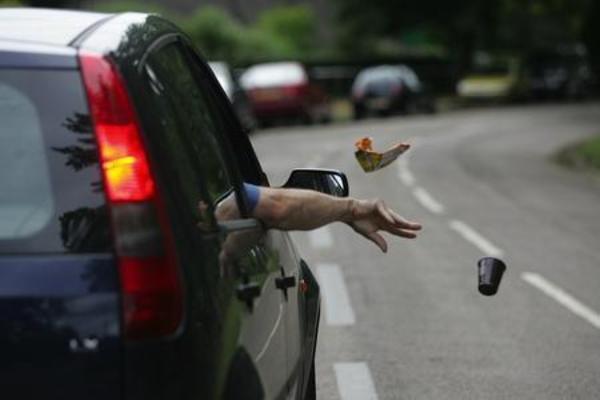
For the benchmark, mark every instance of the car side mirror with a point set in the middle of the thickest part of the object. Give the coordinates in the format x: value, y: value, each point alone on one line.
x: 328, y: 181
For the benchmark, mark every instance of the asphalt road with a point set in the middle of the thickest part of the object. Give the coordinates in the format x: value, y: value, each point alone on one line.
x: 411, y: 324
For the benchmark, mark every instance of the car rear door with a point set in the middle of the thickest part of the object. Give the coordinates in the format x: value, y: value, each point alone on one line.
x: 234, y: 309
x: 299, y: 330
x: 59, y: 291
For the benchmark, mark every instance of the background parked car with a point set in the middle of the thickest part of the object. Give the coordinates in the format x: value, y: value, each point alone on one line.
x: 283, y: 91
x: 234, y: 93
x: 119, y: 280
x: 494, y: 78
x: 386, y: 89
x: 561, y: 74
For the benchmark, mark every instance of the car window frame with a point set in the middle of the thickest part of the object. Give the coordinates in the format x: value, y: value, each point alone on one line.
x: 230, y: 159
x: 237, y: 139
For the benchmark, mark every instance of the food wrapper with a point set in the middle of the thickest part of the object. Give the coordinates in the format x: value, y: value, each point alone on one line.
x: 371, y: 160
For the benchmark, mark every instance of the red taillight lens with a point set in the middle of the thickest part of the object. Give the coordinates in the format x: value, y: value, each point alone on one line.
x: 295, y: 90
x: 397, y: 89
x: 150, y: 307
x: 151, y: 288
x: 122, y: 154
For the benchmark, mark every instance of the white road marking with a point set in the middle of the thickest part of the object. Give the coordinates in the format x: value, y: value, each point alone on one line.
x: 338, y: 310
x: 563, y: 298
x: 477, y: 239
x: 321, y: 238
x: 406, y: 177
x: 404, y: 172
x: 428, y: 201
x: 354, y: 381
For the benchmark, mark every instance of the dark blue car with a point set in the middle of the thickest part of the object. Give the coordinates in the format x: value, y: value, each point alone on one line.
x: 118, y: 277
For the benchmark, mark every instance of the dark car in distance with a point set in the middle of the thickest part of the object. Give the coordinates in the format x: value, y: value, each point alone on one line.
x: 119, y: 276
x: 564, y: 73
x: 386, y: 89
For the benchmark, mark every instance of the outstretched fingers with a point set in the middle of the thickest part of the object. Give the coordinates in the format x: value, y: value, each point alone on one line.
x: 371, y: 234
x: 404, y: 223
x: 385, y: 212
x: 378, y: 240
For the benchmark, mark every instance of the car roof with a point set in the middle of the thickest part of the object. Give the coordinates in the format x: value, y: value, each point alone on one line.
x: 45, y: 26
x: 384, y: 72
x: 36, y: 38
x: 273, y: 74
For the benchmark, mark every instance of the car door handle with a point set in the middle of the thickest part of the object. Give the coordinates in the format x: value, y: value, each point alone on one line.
x: 239, y: 225
x: 285, y: 282
x: 247, y: 292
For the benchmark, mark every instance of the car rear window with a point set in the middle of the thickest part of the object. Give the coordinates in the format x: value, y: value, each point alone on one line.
x: 275, y: 74
x: 51, y: 199
x: 387, y: 74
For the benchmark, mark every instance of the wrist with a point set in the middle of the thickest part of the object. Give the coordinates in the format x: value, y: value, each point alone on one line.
x: 348, y: 209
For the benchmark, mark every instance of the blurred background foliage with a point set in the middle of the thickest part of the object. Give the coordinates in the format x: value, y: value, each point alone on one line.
x: 281, y: 32
x: 10, y: 3
x: 375, y: 29
x: 458, y: 29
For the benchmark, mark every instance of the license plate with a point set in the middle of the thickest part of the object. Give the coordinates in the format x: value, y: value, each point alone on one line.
x: 267, y: 94
x: 378, y: 104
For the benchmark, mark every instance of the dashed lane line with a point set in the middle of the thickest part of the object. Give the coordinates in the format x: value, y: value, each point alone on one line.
x: 562, y: 297
x: 431, y: 204
x: 354, y: 381
x: 404, y: 173
x: 428, y: 201
x: 471, y: 235
x: 321, y: 238
x: 406, y: 177
x: 338, y: 310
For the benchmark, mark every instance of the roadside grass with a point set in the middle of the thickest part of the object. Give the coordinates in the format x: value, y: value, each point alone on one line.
x: 583, y: 155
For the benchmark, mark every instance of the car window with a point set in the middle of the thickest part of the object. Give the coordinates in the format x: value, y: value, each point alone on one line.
x: 388, y: 75
x: 195, y: 166
x: 223, y: 75
x: 26, y: 198
x: 238, y: 142
x: 190, y: 126
x: 273, y: 74
x: 51, y: 199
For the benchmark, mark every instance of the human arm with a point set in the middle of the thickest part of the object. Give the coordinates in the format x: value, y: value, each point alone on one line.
x: 298, y: 209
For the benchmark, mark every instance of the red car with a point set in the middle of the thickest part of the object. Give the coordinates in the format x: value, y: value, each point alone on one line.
x: 283, y: 91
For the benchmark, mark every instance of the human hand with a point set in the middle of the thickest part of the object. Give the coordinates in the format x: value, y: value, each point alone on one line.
x: 371, y: 216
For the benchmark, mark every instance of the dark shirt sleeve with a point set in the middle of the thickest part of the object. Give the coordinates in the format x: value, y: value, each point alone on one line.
x: 252, y: 195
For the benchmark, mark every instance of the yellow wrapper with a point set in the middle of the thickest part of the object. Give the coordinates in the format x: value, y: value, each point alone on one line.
x: 371, y: 160
x: 368, y: 160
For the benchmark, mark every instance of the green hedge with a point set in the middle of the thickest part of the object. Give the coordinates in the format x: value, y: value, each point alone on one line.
x: 10, y: 3
x: 279, y: 33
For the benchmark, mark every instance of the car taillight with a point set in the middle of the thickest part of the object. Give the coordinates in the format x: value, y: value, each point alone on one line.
x: 358, y: 94
x: 152, y: 297
x: 295, y: 90
x: 253, y: 94
x: 397, y: 89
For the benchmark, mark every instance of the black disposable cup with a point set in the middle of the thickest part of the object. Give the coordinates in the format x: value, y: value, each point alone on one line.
x: 490, y: 274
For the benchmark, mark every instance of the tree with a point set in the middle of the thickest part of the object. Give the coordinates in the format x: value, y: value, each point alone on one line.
x: 591, y: 35
x: 293, y: 25
x: 461, y: 27
x: 10, y: 3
